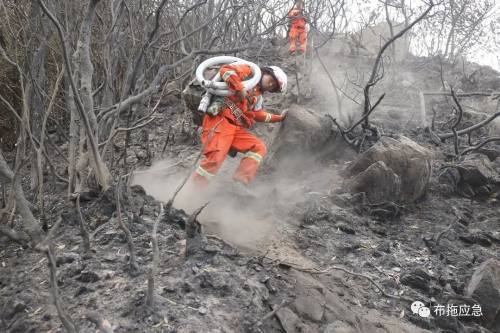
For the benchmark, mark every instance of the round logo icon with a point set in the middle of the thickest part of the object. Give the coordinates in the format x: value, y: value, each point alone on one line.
x: 415, y: 306
x: 424, y: 312
x: 419, y: 308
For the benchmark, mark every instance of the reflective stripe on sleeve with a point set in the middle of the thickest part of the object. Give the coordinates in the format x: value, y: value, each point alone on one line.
x: 268, y: 118
x: 228, y: 74
x: 204, y: 173
x: 254, y: 156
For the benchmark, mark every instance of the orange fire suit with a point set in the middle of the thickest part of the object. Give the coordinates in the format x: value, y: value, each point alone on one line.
x: 297, y: 31
x: 225, y: 131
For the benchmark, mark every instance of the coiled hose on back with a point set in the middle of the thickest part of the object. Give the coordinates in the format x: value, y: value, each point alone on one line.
x: 218, y: 87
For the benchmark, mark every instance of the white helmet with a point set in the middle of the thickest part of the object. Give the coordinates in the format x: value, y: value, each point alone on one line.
x: 280, y: 77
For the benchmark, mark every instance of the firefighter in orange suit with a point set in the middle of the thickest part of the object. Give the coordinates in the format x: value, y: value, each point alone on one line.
x: 228, y: 129
x: 297, y: 32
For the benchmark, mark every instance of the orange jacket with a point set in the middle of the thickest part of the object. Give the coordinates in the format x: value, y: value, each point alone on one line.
x: 297, y: 20
x: 252, y: 106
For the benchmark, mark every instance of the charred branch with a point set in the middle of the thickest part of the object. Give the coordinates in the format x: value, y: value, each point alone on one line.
x: 31, y: 225
x: 133, y: 267
x: 46, y: 247
x: 375, y: 74
x: 457, y: 121
x: 194, y: 236
x: 154, y: 264
x: 13, y: 235
x: 83, y: 228
x: 480, y: 145
x: 470, y: 129
x: 68, y: 323
x: 101, y: 170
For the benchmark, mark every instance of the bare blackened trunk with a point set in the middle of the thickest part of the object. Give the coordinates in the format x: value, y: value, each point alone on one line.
x: 34, y: 84
x: 375, y: 75
x: 30, y: 224
x: 85, y: 65
x: 111, y: 55
x: 86, y: 68
x: 406, y: 23
x: 391, y: 29
x: 74, y: 138
x: 101, y: 171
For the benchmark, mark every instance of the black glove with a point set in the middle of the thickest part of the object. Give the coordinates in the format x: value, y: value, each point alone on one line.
x: 232, y: 152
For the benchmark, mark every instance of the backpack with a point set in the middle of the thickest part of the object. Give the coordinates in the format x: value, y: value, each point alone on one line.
x: 193, y: 93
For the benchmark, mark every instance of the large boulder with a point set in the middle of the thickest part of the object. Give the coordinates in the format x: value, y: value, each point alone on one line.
x: 394, y: 169
x: 478, y: 171
x: 475, y: 175
x: 378, y: 181
x: 484, y: 286
x: 303, y: 130
x: 303, y: 134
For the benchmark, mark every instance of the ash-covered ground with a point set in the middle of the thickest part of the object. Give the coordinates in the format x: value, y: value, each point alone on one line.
x: 299, y: 253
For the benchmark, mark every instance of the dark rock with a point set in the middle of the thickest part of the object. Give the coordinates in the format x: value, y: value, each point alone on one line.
x: 15, y: 307
x: 378, y: 181
x: 67, y: 258
x: 187, y: 287
x: 83, y: 290
x: 88, y: 277
x: 395, y: 170
x: 345, y: 228
x: 217, y: 280
x: 473, y: 176
x: 476, y: 237
x: 417, y: 279
x: 384, y: 247
x: 315, y: 213
x: 138, y: 189
x: 477, y: 170
x: 484, y: 286
x: 212, y: 248
x: 348, y: 246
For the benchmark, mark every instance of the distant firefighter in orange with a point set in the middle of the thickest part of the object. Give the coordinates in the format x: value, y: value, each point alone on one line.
x: 297, y: 33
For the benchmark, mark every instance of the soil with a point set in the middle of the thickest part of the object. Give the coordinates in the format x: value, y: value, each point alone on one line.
x: 282, y: 248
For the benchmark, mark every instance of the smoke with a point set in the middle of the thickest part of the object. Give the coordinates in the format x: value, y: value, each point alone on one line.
x: 253, y: 219
x: 332, y: 99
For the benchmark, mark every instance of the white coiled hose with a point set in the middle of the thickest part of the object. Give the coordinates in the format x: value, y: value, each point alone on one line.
x: 218, y: 87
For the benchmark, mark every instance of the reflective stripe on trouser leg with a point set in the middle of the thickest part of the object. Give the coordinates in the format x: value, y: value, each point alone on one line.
x: 204, y: 173
x: 254, y: 156
x: 248, y: 167
x: 245, y: 141
x: 201, y: 177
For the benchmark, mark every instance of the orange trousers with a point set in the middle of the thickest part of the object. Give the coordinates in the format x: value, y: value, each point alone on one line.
x: 218, y: 137
x: 298, y: 34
